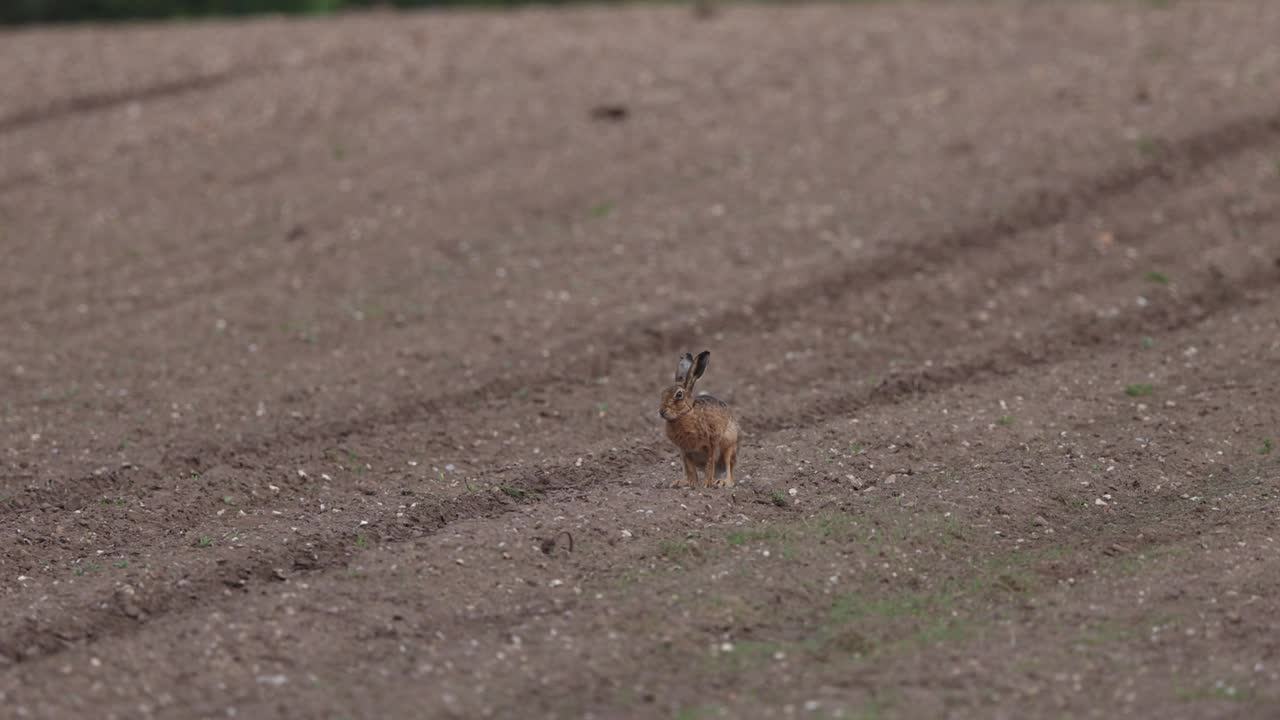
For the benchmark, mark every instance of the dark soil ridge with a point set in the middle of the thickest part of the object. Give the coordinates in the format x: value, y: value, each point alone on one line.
x: 1178, y: 161
x: 126, y: 268
x: 89, y: 103
x: 92, y: 486
x: 946, y: 375
x: 1098, y: 532
x: 1175, y: 164
x: 188, y: 458
x: 1037, y: 210
x: 95, y: 102
x: 1058, y: 343
x: 105, y: 618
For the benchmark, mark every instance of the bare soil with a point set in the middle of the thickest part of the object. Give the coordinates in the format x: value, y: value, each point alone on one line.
x: 330, y: 354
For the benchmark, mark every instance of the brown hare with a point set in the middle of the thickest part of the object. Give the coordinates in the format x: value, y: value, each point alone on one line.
x: 703, y: 428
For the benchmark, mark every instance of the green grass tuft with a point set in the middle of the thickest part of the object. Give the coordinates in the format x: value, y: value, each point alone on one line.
x: 1138, y: 390
x: 676, y: 549
x: 1148, y: 147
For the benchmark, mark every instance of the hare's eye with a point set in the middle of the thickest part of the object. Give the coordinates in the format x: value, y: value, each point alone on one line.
x: 679, y: 394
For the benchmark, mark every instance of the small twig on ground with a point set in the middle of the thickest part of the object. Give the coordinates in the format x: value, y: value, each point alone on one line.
x: 549, y: 544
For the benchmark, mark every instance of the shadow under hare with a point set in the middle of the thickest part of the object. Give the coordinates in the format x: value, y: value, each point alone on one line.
x: 702, y: 427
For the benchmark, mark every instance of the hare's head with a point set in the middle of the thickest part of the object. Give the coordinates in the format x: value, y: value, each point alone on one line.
x: 678, y: 398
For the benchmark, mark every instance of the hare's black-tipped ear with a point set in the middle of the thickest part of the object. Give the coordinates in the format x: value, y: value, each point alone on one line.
x: 700, y: 365
x: 683, y: 367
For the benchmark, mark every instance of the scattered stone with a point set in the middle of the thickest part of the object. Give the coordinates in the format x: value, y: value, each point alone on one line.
x: 128, y: 605
x: 611, y: 112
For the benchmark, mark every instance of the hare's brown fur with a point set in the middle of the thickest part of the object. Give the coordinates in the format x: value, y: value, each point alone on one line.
x: 703, y: 428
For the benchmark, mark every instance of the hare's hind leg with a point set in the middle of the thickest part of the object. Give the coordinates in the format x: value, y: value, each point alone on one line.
x: 710, y: 476
x: 728, y: 456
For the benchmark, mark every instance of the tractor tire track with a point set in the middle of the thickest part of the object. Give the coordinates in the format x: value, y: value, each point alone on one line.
x: 22, y: 641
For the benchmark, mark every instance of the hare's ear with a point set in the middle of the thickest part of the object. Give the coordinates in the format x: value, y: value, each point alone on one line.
x: 700, y: 365
x: 683, y: 367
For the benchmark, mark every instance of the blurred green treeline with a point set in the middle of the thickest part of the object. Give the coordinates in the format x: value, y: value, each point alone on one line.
x: 47, y: 11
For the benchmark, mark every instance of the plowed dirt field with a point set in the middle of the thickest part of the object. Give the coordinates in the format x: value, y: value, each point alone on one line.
x: 331, y: 349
